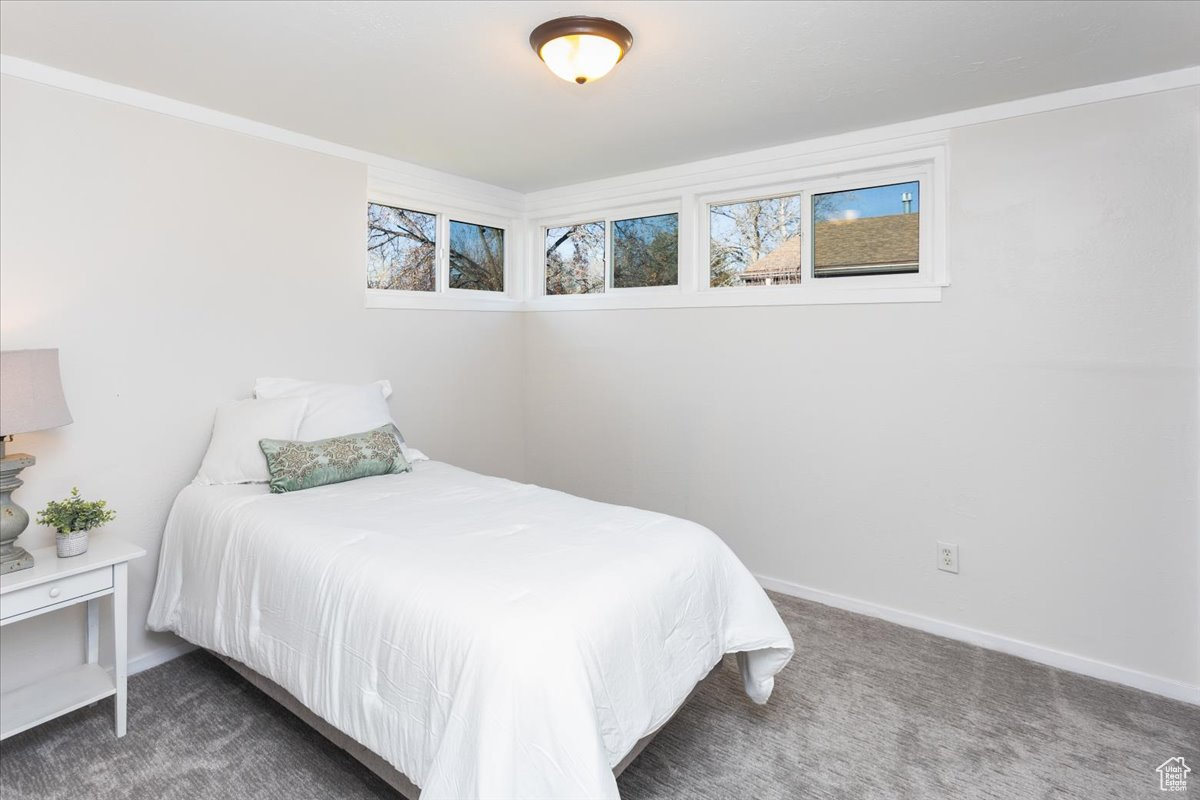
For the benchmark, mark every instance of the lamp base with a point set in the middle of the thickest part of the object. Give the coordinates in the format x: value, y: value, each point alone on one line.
x: 18, y: 559
x: 13, y: 518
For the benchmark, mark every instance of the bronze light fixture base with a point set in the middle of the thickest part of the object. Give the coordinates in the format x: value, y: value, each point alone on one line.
x: 614, y: 32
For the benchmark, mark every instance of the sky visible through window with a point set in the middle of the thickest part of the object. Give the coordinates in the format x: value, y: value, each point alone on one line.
x: 645, y: 251
x: 877, y: 201
x: 743, y: 234
x: 401, y: 248
x: 476, y: 257
x: 871, y: 231
x: 575, y: 259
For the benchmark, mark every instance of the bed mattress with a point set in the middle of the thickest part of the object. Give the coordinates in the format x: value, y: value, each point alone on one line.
x: 486, y: 638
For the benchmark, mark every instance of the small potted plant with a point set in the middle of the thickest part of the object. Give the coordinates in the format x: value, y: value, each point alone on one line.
x: 72, y: 518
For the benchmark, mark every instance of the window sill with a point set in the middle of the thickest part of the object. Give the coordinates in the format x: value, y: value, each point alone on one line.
x: 758, y: 296
x: 440, y: 301
x: 634, y: 299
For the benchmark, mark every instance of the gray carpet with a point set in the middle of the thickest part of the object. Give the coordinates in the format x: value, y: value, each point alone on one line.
x: 865, y: 710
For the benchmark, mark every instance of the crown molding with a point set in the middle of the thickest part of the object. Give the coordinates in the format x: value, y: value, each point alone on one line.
x: 831, y: 147
x: 459, y: 189
x: 428, y: 181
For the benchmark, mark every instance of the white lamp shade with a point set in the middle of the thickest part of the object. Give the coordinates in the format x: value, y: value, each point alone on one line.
x: 581, y: 58
x: 31, y: 395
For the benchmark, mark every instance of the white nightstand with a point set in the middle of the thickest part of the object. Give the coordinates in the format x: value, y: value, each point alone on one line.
x: 54, y: 583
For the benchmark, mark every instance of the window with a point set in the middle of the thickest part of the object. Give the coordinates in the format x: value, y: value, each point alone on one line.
x: 476, y: 257
x: 439, y: 257
x: 401, y: 249
x: 575, y: 259
x: 645, y: 251
x: 860, y: 224
x: 755, y: 242
x: 871, y: 231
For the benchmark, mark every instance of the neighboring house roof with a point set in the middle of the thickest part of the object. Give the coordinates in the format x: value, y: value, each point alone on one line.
x: 869, y: 240
x: 847, y: 243
x: 783, y: 260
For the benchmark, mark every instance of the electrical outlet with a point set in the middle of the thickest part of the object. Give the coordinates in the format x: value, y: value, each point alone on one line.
x: 947, y: 557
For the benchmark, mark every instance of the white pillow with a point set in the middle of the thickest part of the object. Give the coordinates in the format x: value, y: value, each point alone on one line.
x: 280, y: 387
x: 233, y: 453
x: 334, y: 409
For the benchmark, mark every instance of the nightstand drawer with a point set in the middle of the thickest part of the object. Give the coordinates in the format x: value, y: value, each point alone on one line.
x: 54, y: 592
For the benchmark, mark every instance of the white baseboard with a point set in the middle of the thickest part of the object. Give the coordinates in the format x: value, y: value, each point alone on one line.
x: 160, y: 656
x: 1176, y: 690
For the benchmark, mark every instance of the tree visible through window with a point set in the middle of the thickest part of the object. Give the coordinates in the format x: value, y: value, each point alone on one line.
x: 645, y: 251
x: 744, y: 235
x: 757, y: 242
x: 401, y: 248
x: 575, y: 259
x: 476, y: 257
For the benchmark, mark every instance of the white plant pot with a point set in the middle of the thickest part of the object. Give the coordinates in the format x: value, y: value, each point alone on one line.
x: 71, y: 544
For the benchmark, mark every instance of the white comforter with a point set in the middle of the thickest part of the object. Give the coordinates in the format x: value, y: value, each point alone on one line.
x: 488, y: 638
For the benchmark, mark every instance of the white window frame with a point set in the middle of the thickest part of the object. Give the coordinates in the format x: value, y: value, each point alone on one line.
x: 924, y: 160
x: 471, y: 218
x: 919, y: 174
x: 538, y: 233
x: 926, y: 165
x: 608, y: 217
x: 922, y: 175
x: 638, y: 212
x: 703, y: 277
x: 443, y: 296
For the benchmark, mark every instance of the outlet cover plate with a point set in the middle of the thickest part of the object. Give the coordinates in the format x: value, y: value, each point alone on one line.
x: 947, y: 557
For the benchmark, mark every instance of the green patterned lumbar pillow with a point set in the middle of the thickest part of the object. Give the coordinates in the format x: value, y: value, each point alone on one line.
x: 303, y: 465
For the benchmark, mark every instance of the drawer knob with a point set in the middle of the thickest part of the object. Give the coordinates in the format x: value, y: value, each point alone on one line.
x: 55, y: 592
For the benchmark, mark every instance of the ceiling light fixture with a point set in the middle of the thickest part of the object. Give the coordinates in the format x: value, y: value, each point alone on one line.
x: 581, y: 49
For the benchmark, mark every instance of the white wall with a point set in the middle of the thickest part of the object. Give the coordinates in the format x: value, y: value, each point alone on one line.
x: 1043, y: 415
x: 172, y: 263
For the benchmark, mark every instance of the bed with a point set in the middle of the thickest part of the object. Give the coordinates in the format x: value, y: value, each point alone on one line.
x: 481, y: 637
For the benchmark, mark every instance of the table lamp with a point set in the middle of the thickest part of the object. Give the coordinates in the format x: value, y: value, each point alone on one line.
x: 31, y: 399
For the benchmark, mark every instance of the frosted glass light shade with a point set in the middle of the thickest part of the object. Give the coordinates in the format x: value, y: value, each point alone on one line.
x: 31, y: 394
x: 581, y: 49
x: 581, y: 58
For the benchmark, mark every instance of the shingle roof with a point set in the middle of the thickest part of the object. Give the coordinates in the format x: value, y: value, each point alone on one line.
x: 870, y: 240
x: 848, y: 243
x: 783, y: 260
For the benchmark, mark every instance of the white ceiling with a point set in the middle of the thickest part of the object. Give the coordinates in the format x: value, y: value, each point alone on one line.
x: 455, y: 86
